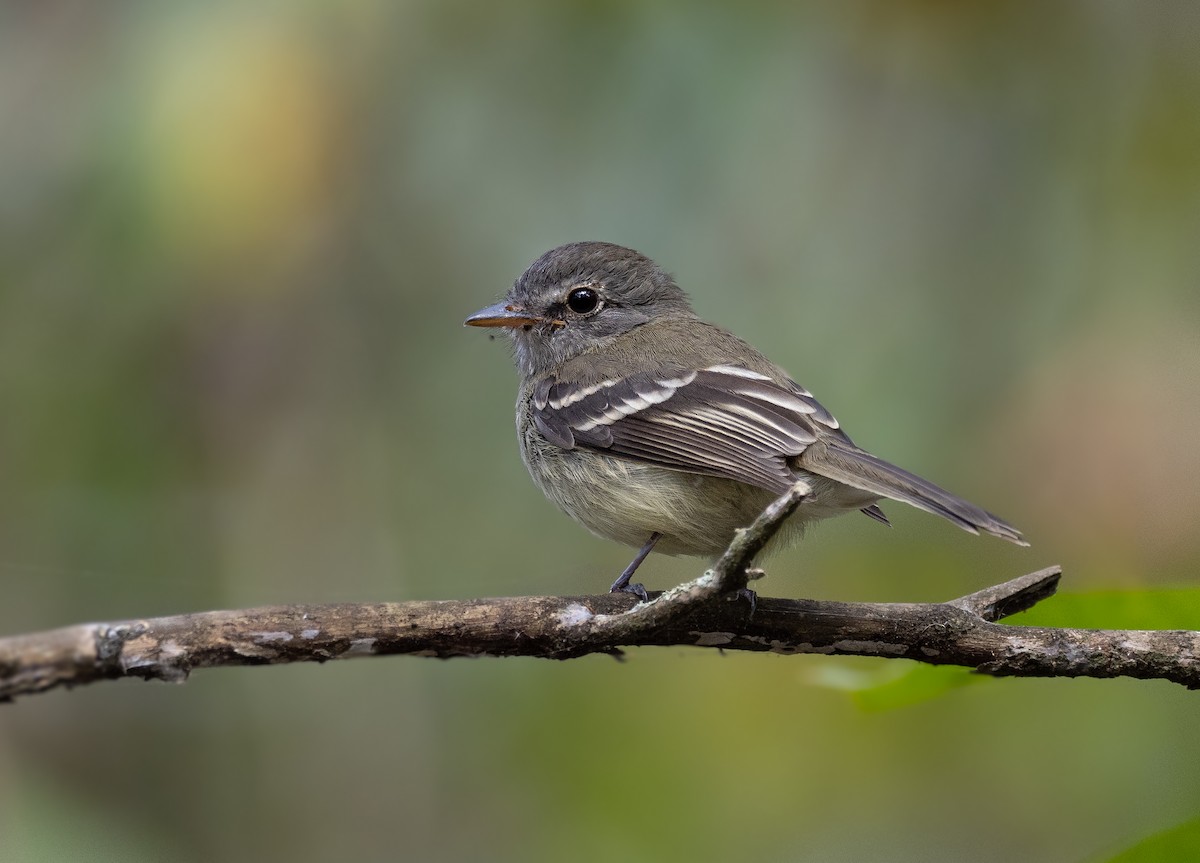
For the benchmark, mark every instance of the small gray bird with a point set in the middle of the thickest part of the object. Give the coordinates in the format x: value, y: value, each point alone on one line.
x: 651, y: 427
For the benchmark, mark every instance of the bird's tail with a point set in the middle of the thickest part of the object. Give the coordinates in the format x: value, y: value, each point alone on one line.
x: 861, y: 470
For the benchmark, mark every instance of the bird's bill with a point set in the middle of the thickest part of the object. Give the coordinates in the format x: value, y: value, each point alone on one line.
x: 502, y: 315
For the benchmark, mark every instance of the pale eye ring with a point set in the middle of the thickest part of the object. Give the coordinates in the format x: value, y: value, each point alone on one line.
x: 583, y: 301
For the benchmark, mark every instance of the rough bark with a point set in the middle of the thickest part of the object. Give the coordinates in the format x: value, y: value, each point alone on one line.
x: 961, y: 632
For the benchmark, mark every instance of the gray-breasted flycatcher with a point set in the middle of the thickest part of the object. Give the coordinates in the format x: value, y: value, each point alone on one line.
x: 651, y: 427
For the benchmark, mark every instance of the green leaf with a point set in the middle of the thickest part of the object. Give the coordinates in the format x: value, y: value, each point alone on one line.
x: 889, y: 684
x: 1181, y: 842
x: 922, y: 683
x: 1136, y: 608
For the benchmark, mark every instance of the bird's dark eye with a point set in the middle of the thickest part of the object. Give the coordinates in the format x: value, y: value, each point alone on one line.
x: 583, y: 300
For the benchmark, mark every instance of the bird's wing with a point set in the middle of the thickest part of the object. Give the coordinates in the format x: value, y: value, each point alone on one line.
x: 724, y: 421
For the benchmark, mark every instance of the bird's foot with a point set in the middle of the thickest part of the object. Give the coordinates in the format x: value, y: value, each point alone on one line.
x: 747, y: 594
x: 638, y: 590
x: 622, y: 585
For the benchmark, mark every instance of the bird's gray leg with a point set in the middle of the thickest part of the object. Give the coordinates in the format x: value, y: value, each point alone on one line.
x: 622, y: 585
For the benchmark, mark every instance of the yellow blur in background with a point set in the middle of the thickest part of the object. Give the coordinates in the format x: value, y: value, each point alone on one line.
x: 238, y: 240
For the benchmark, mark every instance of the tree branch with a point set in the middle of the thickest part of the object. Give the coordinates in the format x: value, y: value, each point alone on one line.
x: 961, y: 632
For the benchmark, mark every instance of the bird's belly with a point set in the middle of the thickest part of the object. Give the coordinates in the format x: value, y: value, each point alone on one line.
x: 626, y: 501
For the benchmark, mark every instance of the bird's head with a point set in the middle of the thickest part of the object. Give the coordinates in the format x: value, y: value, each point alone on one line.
x: 579, y: 297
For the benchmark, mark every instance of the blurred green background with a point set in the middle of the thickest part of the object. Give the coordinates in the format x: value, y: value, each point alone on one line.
x: 238, y: 240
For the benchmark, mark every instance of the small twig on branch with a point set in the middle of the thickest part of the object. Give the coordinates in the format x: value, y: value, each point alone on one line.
x: 961, y: 632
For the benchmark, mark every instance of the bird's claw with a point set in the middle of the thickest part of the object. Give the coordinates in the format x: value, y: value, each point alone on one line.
x: 747, y: 594
x: 637, y: 589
